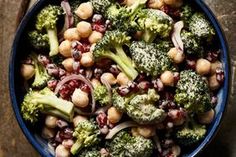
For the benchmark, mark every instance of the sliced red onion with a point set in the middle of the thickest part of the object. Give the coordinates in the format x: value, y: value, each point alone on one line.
x: 175, y: 37
x: 120, y: 127
x: 69, y: 19
x: 81, y: 78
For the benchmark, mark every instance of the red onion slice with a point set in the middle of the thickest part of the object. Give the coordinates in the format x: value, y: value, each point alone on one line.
x: 120, y: 127
x: 81, y: 78
x: 175, y: 37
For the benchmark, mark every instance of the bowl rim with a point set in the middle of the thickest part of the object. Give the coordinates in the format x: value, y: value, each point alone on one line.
x: 31, y: 138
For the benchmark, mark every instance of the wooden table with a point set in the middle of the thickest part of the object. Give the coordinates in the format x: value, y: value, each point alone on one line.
x: 14, y: 144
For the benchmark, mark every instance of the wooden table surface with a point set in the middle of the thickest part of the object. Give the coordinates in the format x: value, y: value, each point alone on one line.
x: 14, y: 144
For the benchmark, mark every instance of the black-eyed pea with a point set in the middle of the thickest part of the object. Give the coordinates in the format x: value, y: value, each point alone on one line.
x: 68, y: 64
x: 84, y: 11
x: 65, y: 48
x: 109, y: 78
x: 80, y: 98
x: 51, y: 121
x: 87, y: 59
x: 122, y: 79
x: 78, y: 119
x: 146, y: 131
x: 213, y: 83
x: 203, y: 66
x: 167, y: 78
x: 95, y: 37
x: 114, y: 115
x: 84, y: 28
x: 71, y: 34
x: 62, y: 151
x: 207, y: 117
x: 27, y: 71
x: 155, y: 4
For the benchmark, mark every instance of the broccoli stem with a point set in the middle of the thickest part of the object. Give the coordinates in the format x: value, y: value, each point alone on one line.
x: 128, y: 70
x: 122, y: 54
x: 64, y: 106
x: 76, y: 147
x: 148, y: 36
x: 57, y: 113
x: 53, y: 42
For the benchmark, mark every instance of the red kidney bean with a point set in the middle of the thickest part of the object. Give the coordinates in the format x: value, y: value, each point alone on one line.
x: 74, y: 84
x: 220, y: 75
x: 76, y: 54
x: 158, y: 85
x: 123, y: 90
x: 144, y: 85
x: 212, y: 56
x: 97, y: 18
x: 191, y: 64
x: 97, y: 73
x: 65, y: 91
x: 62, y: 72
x: 62, y: 124
x: 114, y: 70
x: 52, y: 70
x: 166, y: 105
x: 85, y: 88
x: 66, y: 133
x: 99, y: 28
x: 133, y: 86
x: 44, y: 60
x: 101, y: 120
x: 52, y: 84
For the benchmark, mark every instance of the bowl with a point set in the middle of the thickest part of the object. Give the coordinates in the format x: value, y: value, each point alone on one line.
x: 19, y: 49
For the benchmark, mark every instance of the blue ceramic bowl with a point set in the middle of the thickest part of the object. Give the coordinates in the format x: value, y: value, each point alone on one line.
x: 17, y: 92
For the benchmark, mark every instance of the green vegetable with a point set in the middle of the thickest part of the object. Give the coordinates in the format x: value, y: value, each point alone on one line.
x: 100, y: 6
x: 86, y: 134
x: 111, y: 46
x: 124, y: 144
x: 154, y: 23
x: 45, y: 101
x: 90, y: 152
x: 149, y: 58
x: 192, y: 44
x: 201, y: 27
x: 192, y: 92
x: 140, y: 107
x: 38, y: 40
x: 186, y: 13
x: 47, y: 21
x: 41, y: 76
x: 191, y: 134
x: 101, y: 95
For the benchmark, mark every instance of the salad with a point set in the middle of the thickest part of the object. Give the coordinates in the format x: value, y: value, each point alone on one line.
x: 121, y: 78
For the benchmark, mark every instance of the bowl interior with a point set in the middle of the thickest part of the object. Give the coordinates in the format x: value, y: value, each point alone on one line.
x: 17, y: 91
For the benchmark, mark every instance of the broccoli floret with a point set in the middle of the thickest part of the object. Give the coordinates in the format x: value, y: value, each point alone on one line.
x: 142, y: 109
x: 38, y: 41
x: 111, y: 46
x: 201, y: 27
x: 185, y: 13
x: 45, y: 101
x: 191, y: 134
x: 154, y: 23
x: 41, y: 76
x: 164, y: 45
x: 93, y: 151
x: 101, y: 95
x: 86, y: 135
x: 192, y: 92
x: 47, y: 21
x: 149, y: 58
x: 119, y: 102
x: 124, y: 144
x: 192, y: 44
x: 100, y: 6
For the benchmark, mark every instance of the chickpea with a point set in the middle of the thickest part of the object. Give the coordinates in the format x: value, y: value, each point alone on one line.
x: 109, y: 77
x: 146, y: 131
x: 95, y: 37
x: 207, y: 117
x: 214, y: 66
x: 48, y: 133
x: 65, y: 48
x: 155, y: 4
x: 95, y: 82
x: 213, y: 83
x: 72, y: 34
x: 68, y: 64
x: 128, y: 2
x: 167, y: 78
x: 174, y: 3
x: 138, y: 35
x: 67, y: 143
x: 87, y: 59
x: 50, y: 121
x: 176, y: 150
x: 203, y: 66
x: 84, y: 28
x: 134, y: 132
x: 122, y: 79
x: 176, y: 55
x: 114, y: 115
x: 27, y: 71
x: 80, y: 98
x: 62, y: 151
x: 85, y: 10
x: 78, y: 119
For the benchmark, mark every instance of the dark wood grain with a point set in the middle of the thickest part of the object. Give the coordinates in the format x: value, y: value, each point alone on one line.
x: 14, y: 144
